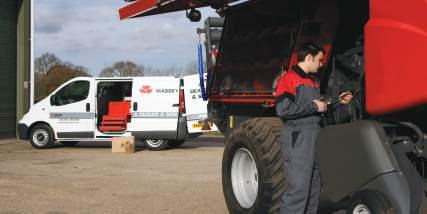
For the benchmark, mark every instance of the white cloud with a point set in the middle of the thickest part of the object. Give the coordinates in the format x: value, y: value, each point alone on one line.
x: 89, y: 33
x: 49, y: 27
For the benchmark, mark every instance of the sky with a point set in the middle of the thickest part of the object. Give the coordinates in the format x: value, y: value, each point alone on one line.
x: 90, y: 34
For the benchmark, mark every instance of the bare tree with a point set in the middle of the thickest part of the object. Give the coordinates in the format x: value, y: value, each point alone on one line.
x: 56, y: 76
x: 77, y: 68
x: 192, y: 68
x: 150, y: 71
x: 172, y: 70
x: 107, y: 72
x: 45, y: 62
x: 123, y: 69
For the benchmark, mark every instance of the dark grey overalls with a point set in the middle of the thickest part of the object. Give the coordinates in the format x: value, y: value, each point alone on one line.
x: 298, y: 141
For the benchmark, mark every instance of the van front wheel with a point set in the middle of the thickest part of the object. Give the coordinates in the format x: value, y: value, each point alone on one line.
x: 41, y: 137
x: 155, y: 145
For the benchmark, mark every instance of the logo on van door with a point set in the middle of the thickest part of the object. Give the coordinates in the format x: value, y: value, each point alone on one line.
x: 167, y: 90
x: 146, y: 89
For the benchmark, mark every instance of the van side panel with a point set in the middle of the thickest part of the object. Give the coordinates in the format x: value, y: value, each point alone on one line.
x: 155, y: 107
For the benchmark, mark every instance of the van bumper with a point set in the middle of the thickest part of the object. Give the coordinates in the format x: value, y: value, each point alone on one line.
x: 23, y: 131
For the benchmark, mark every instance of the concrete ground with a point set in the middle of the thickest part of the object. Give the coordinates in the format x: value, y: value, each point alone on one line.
x: 88, y: 178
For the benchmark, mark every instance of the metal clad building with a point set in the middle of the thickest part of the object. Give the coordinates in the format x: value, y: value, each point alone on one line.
x: 14, y: 63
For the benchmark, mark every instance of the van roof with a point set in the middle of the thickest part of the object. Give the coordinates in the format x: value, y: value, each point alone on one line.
x: 130, y: 78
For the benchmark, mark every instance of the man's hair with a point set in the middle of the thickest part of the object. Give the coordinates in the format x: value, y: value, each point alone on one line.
x: 308, y: 48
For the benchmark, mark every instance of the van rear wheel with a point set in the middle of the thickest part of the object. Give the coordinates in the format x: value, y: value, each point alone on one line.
x: 41, y: 137
x: 155, y: 144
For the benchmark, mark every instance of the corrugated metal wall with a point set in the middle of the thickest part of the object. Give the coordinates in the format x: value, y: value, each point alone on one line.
x: 23, y: 60
x: 8, y: 29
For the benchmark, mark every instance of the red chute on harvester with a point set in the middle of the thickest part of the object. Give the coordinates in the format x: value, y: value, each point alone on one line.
x: 153, y: 7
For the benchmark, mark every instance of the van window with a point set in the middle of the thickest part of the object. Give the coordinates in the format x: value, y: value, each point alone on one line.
x: 71, y: 93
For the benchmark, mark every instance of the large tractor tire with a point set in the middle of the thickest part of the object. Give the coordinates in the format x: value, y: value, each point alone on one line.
x: 253, y: 174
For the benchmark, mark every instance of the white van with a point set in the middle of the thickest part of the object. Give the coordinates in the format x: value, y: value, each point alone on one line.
x: 152, y: 109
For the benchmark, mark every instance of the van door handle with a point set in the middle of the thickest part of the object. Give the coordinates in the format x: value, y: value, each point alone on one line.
x: 135, y: 106
x: 87, y: 107
x: 175, y: 105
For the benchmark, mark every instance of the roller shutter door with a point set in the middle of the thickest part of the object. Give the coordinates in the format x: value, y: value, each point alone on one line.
x: 8, y: 27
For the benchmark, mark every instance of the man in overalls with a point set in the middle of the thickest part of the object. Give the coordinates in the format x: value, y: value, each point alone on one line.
x: 299, y: 107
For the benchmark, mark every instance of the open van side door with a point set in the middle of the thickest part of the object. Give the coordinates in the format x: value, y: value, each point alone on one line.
x: 195, y: 107
x: 155, y: 107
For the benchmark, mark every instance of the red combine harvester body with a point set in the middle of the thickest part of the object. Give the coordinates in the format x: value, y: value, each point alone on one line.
x: 395, y: 40
x: 371, y: 153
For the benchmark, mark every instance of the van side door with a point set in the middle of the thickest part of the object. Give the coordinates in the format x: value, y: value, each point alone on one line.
x: 155, y: 107
x: 72, y: 111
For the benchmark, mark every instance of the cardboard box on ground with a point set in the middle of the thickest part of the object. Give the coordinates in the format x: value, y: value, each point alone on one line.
x: 123, y: 144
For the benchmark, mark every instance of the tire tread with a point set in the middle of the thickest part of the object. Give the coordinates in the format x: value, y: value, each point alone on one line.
x: 264, y: 134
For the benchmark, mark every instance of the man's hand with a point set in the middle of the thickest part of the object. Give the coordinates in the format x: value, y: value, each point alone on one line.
x: 345, y: 97
x: 321, y: 106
